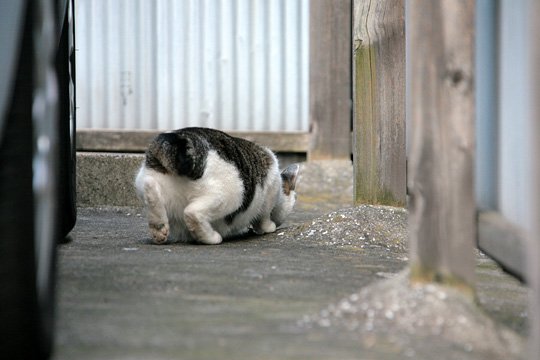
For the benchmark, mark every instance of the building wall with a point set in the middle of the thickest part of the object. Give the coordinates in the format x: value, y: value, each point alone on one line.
x: 503, y: 120
x: 515, y: 173
x: 163, y: 64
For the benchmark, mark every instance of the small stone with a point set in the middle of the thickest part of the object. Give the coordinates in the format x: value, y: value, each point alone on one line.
x: 441, y: 295
x: 410, y: 353
x: 324, y: 322
x: 345, y: 305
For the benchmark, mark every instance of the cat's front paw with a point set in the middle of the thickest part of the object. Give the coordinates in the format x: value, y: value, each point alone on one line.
x: 160, y: 233
x: 214, y: 239
x: 264, y: 227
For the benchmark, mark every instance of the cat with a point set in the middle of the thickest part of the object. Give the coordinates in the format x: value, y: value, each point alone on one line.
x: 203, y: 185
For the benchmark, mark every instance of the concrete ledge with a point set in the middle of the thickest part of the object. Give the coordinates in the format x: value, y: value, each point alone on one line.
x: 138, y: 140
x: 107, y: 179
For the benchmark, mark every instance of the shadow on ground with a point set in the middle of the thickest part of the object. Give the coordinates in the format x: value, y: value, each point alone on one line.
x: 327, y: 285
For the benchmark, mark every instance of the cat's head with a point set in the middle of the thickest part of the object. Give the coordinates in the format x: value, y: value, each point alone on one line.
x: 287, y: 196
x: 177, y: 154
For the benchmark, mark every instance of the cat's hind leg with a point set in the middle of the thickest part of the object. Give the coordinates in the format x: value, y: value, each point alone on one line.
x: 158, y: 222
x: 197, y: 216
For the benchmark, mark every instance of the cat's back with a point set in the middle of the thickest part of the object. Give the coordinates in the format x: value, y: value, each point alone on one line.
x: 194, y: 152
x: 205, y: 180
x: 247, y: 156
x: 255, y: 165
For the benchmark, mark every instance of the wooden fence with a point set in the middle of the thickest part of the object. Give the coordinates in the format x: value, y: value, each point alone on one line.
x: 444, y: 218
x: 441, y: 160
x: 379, y: 102
x: 330, y: 80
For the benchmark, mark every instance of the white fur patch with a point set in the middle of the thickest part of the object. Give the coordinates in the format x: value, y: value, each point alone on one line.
x: 196, y: 209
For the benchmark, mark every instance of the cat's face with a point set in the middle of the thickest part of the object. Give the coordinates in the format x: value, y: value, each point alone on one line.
x: 288, y: 180
x: 287, y: 199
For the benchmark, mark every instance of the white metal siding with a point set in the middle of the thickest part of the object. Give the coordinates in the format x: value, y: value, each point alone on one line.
x: 163, y: 64
x: 515, y: 172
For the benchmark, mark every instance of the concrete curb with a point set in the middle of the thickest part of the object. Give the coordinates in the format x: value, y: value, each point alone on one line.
x: 106, y: 179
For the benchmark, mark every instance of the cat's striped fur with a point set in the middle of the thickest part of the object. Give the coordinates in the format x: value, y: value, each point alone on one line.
x: 202, y: 184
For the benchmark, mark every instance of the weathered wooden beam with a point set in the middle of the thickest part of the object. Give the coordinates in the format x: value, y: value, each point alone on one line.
x: 138, y: 140
x: 441, y: 159
x: 330, y: 79
x: 379, y: 102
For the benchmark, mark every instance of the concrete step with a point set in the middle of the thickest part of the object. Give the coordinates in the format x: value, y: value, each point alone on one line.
x: 106, y: 179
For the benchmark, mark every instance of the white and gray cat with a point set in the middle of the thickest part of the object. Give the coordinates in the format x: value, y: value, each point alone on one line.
x: 202, y: 184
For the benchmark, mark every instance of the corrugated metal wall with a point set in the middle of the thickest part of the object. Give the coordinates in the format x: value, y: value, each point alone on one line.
x: 163, y: 64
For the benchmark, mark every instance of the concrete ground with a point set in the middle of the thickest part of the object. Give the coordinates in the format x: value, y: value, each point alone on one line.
x: 327, y: 285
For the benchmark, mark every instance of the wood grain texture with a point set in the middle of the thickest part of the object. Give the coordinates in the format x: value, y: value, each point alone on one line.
x: 379, y: 102
x: 441, y: 159
x: 138, y: 140
x: 330, y: 79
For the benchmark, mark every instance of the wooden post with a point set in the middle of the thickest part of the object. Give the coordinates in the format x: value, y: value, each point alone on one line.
x: 441, y: 160
x: 330, y: 79
x: 533, y: 243
x: 379, y: 102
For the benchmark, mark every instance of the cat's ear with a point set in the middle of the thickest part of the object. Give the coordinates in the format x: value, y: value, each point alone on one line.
x: 288, y: 178
x: 185, y: 145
